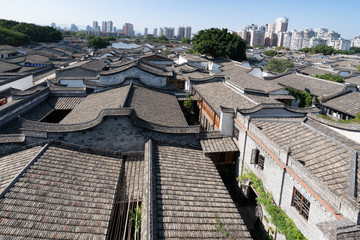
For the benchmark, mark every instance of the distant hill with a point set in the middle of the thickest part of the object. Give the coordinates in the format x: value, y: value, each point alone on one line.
x: 18, y: 34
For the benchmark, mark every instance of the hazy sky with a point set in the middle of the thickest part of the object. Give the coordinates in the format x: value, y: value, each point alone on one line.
x: 340, y: 16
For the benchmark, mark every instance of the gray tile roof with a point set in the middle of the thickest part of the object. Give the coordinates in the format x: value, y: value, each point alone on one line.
x: 348, y: 103
x: 354, y: 80
x: 145, y: 66
x: 353, y: 234
x: 66, y: 193
x: 132, y: 186
x: 318, y: 87
x: 217, y: 94
x: 94, y: 65
x: 11, y: 165
x: 218, y: 145
x: 37, y: 59
x: 190, y: 195
x: 65, y: 102
x: 7, y: 67
x: 156, y: 107
x: 92, y: 105
x: 324, y: 158
x: 239, y: 76
x: 314, y: 70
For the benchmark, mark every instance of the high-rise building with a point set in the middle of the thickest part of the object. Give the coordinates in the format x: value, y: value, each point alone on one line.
x: 296, y: 40
x: 74, y: 28
x: 188, y: 32
x: 245, y: 35
x: 287, y: 40
x: 109, y: 27
x: 95, y: 25
x: 355, y: 42
x: 146, y: 31
x: 104, y: 26
x: 128, y: 29
x: 53, y: 25
x: 271, y: 27
x: 169, y: 32
x: 181, y: 33
x: 257, y: 38
x: 161, y: 32
x: 281, y: 24
x: 155, y: 32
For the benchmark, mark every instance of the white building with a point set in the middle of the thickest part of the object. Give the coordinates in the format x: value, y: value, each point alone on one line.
x: 281, y: 24
x: 356, y: 42
x: 188, y: 32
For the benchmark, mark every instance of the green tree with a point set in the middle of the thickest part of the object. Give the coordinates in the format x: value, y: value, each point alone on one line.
x: 186, y: 41
x: 270, y: 53
x: 89, y: 37
x: 99, y: 42
x: 355, y: 49
x: 162, y: 39
x: 331, y: 77
x: 38, y: 33
x: 81, y: 35
x: 358, y: 68
x: 13, y: 38
x: 278, y: 65
x: 7, y: 24
x: 220, y: 43
x: 305, y: 50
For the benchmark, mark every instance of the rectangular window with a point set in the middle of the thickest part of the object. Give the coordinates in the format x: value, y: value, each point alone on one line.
x: 301, y: 204
x: 257, y: 159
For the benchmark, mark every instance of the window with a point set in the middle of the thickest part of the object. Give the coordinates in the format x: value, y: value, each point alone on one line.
x: 301, y: 204
x: 257, y: 159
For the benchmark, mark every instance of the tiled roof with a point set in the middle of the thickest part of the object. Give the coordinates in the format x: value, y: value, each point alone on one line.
x: 35, y: 58
x: 65, y: 102
x: 66, y: 193
x: 217, y: 94
x: 314, y: 70
x: 190, y: 196
x: 348, y: 103
x: 317, y: 86
x: 218, y: 145
x: 156, y: 107
x: 11, y: 165
x: 354, y: 80
x: 7, y: 67
x: 94, y: 65
x: 145, y: 66
x: 91, y: 106
x: 132, y: 186
x: 324, y: 158
x: 239, y: 76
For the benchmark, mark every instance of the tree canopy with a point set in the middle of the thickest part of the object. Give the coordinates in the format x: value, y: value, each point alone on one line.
x: 98, y: 42
x: 326, y: 50
x: 220, y: 43
x: 9, y: 37
x: 356, y: 50
x: 331, y: 77
x: 15, y: 33
x: 358, y: 68
x: 186, y: 41
x: 161, y: 39
x: 278, y: 65
x: 270, y: 53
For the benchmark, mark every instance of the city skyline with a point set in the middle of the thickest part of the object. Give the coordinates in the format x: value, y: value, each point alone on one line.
x: 230, y: 14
